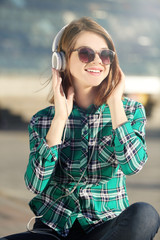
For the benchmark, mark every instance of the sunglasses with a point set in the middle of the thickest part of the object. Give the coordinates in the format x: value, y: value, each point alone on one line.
x: 87, y: 55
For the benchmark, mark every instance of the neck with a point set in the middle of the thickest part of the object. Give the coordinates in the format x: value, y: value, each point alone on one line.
x: 84, y: 97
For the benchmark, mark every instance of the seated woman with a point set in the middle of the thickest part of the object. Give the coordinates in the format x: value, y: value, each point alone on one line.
x: 85, y: 144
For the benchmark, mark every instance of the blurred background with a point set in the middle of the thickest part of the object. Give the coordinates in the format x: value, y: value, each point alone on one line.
x: 27, y: 29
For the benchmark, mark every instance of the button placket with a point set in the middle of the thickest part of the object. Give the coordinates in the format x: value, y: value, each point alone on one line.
x: 84, y: 147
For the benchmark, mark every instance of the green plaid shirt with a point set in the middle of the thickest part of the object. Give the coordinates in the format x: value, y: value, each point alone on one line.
x: 53, y: 172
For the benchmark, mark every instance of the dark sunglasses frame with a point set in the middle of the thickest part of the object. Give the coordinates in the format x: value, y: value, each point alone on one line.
x: 91, y: 55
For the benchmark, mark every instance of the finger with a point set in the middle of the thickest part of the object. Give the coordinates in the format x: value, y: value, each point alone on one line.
x: 70, y: 94
x: 57, y: 88
x: 54, y: 78
x: 60, y: 87
x: 121, y: 73
x: 122, y: 79
x: 58, y: 83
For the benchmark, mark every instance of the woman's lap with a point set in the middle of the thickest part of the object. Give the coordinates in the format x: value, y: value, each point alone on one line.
x: 139, y: 221
x: 42, y: 232
x: 30, y: 236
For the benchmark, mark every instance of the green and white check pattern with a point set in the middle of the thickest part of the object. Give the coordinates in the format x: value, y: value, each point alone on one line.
x: 53, y: 172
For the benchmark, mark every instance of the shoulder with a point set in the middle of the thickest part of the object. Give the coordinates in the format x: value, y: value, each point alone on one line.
x: 43, y: 115
x: 48, y: 111
x: 131, y: 105
x: 133, y: 108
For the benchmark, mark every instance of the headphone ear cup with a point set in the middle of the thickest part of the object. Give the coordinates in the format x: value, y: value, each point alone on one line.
x: 58, y: 61
x: 63, y: 61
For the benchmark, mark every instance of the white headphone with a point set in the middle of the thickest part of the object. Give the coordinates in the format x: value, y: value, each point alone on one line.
x: 58, y: 58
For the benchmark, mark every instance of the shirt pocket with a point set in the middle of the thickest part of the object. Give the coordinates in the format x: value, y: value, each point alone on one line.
x: 106, y: 153
x: 65, y: 155
x: 106, y: 141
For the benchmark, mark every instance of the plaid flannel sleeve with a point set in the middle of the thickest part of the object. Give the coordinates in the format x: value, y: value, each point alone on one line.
x: 130, y: 145
x: 42, y: 159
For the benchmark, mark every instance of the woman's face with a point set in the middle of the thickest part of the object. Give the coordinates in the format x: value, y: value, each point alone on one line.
x: 84, y: 74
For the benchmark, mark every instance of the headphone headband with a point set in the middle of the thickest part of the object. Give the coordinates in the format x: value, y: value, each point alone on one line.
x: 58, y: 58
x: 57, y: 39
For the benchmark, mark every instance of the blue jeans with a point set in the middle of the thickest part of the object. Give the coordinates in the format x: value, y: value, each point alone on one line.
x: 140, y: 221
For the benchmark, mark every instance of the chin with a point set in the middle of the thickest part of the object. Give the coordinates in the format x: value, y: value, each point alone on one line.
x: 95, y: 83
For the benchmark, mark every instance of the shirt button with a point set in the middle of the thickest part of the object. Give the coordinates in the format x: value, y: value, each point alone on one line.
x: 85, y: 132
x: 82, y: 170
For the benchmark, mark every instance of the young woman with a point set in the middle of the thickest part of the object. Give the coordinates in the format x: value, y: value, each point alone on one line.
x: 84, y: 146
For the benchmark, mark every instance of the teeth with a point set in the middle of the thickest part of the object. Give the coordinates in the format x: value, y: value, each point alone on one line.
x: 96, y: 71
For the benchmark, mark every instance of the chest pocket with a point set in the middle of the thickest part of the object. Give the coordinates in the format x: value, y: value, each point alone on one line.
x: 106, y: 154
x: 106, y: 138
x: 65, y: 154
x: 105, y: 141
x: 103, y: 164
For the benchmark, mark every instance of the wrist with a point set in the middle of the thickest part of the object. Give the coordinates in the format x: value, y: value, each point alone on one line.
x: 114, y: 101
x: 59, y: 120
x: 55, y: 132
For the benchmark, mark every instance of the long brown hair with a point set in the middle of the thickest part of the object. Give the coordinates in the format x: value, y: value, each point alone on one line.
x: 67, y: 43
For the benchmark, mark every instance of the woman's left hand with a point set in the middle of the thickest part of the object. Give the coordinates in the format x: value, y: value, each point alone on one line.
x: 115, y: 103
x: 117, y: 93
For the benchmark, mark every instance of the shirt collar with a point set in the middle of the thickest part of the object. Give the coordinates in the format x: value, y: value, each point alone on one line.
x: 91, y: 110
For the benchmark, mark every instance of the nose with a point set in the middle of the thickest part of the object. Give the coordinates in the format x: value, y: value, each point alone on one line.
x: 97, y: 59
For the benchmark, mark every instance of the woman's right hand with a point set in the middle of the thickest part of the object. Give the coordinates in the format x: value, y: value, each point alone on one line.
x: 63, y: 105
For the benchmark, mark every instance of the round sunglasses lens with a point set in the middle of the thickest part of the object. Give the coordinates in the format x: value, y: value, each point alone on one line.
x: 86, y: 55
x: 106, y: 57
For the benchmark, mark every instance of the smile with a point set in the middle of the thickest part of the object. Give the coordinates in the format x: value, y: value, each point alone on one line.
x: 94, y: 71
